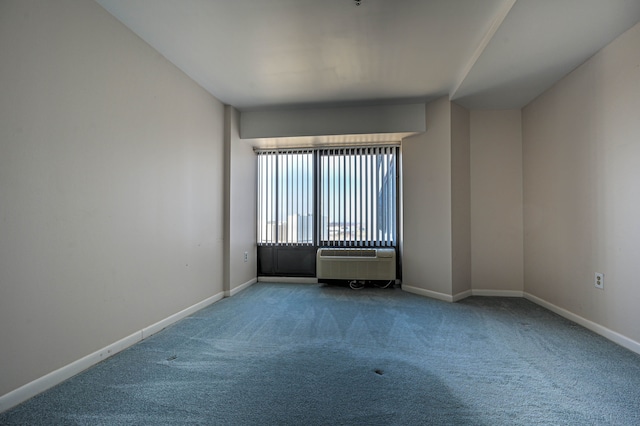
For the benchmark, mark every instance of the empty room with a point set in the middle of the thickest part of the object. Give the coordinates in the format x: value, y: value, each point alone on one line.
x: 320, y: 212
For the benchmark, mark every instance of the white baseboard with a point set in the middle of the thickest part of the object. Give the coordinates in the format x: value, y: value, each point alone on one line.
x: 58, y: 376
x: 614, y: 336
x: 47, y: 381
x: 427, y: 293
x: 162, y: 324
x: 241, y: 287
x: 288, y: 280
x: 497, y: 293
x: 462, y: 295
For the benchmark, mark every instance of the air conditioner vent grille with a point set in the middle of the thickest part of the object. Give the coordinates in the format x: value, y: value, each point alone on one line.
x: 356, y: 263
x: 349, y: 252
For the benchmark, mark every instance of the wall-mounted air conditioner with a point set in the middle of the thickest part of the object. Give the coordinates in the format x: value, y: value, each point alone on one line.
x: 356, y: 263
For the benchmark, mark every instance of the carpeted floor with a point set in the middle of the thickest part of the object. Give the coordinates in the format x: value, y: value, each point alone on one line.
x: 280, y: 354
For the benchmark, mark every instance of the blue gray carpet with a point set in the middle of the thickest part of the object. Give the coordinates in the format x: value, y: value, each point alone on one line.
x: 317, y: 355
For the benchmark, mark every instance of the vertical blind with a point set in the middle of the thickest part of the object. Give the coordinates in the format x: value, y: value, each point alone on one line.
x: 329, y: 197
x: 285, y: 197
x: 358, y: 197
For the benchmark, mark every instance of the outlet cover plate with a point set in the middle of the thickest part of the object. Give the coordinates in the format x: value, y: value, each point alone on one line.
x: 599, y: 280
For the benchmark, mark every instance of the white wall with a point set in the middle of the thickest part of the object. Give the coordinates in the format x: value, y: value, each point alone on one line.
x: 426, y: 181
x: 111, y: 186
x: 581, y: 150
x: 242, y: 207
x: 496, y: 201
x: 460, y: 201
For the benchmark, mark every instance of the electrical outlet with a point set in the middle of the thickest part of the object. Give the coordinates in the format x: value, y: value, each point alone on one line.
x: 246, y: 256
x: 599, y: 280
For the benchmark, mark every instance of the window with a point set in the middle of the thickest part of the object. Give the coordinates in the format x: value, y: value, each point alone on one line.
x: 328, y: 197
x: 285, y: 197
